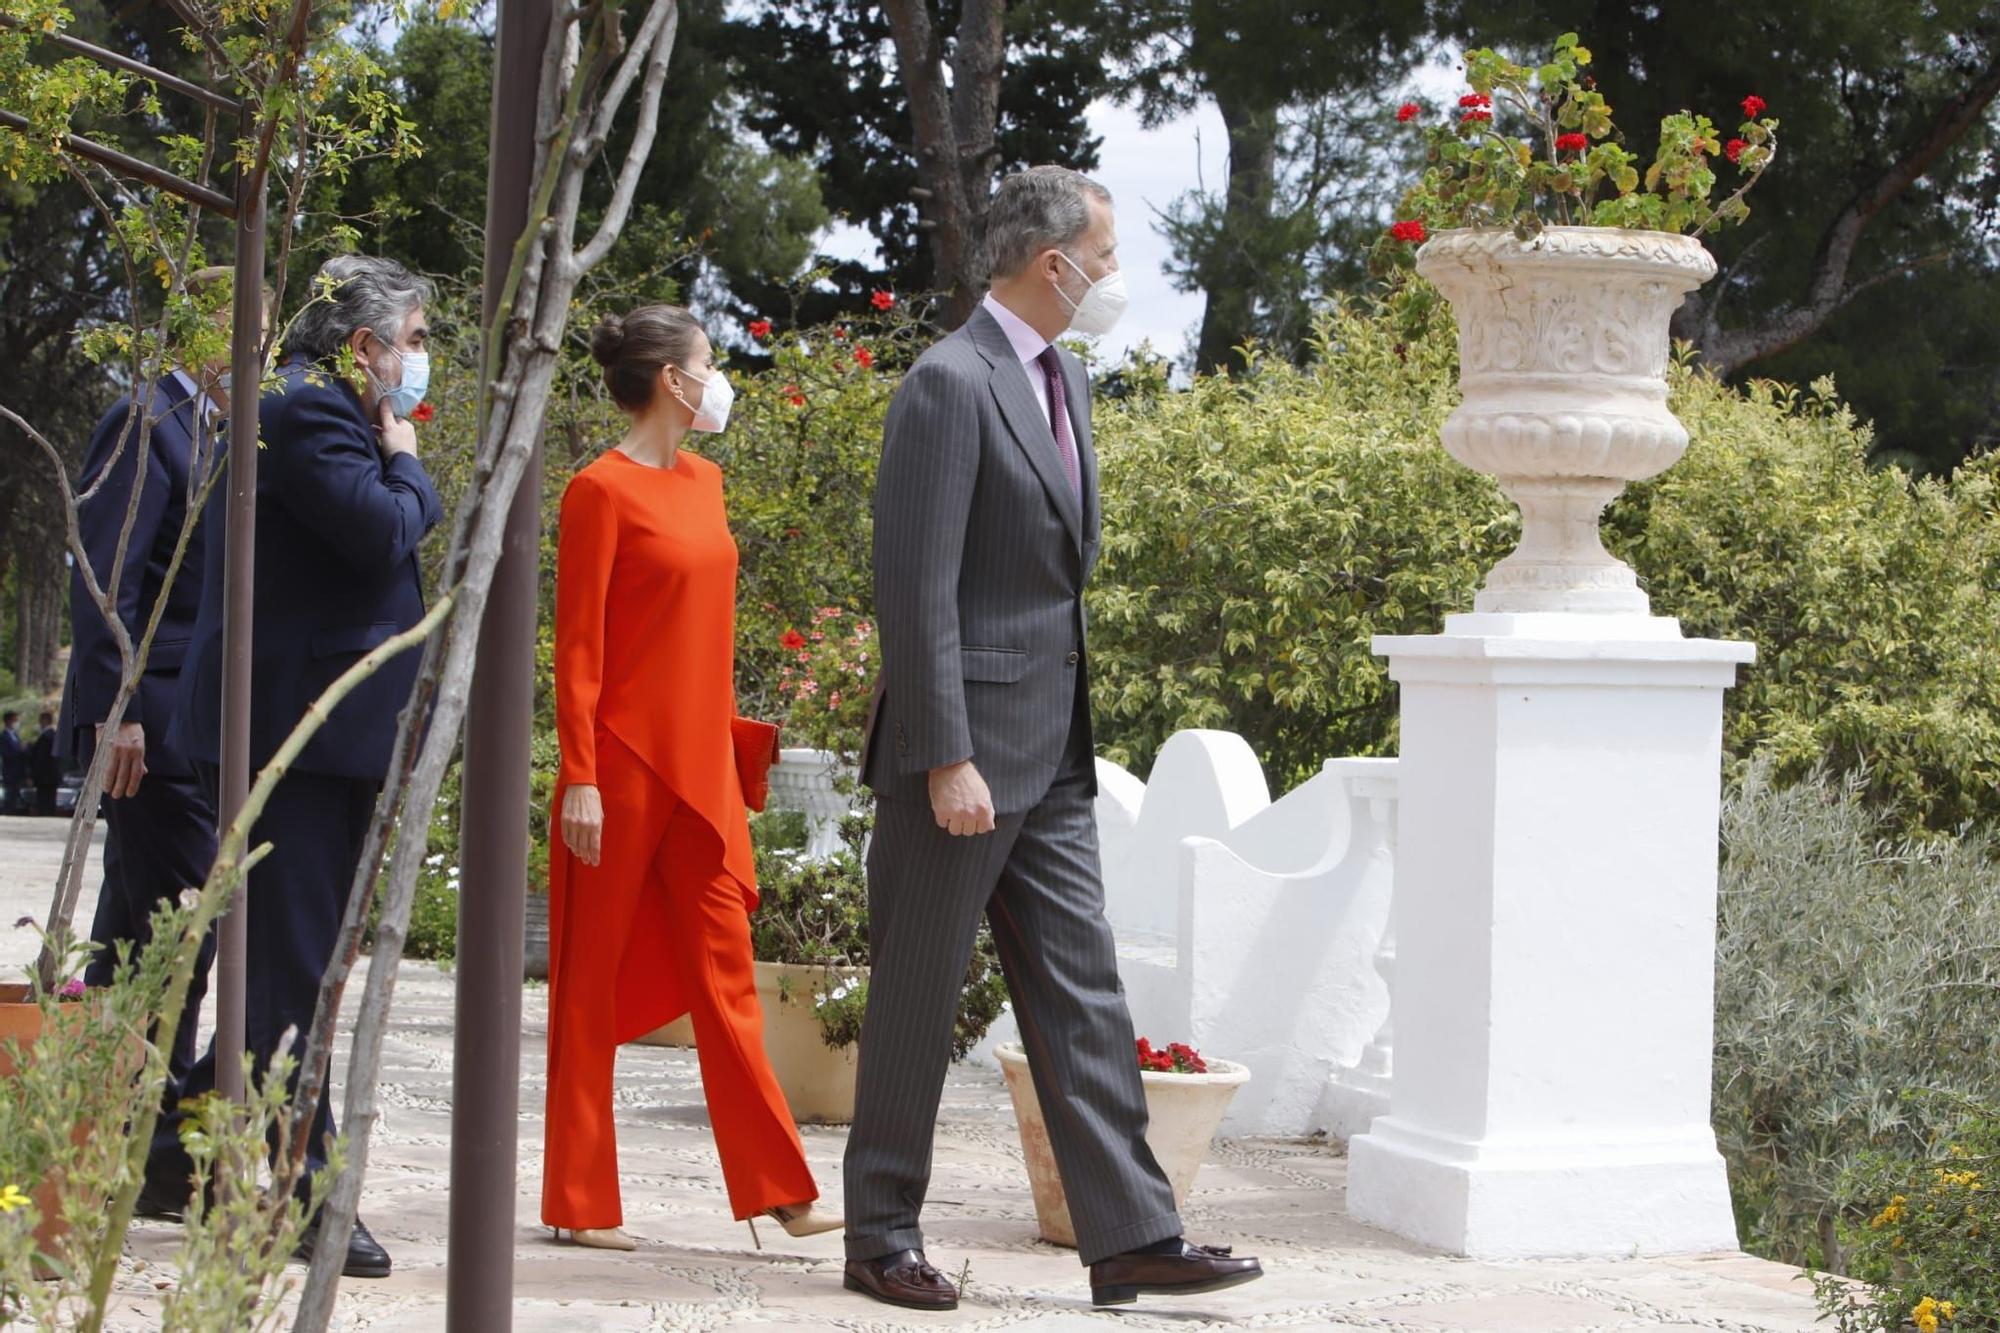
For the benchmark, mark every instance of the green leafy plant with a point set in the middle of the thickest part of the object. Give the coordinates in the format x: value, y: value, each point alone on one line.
x: 1926, y: 1255
x: 814, y: 913
x: 1534, y: 145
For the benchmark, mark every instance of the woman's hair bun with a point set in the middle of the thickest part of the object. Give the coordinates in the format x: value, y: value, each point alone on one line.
x: 607, y: 340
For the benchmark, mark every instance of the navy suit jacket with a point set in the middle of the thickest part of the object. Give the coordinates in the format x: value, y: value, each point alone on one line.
x: 337, y: 535
x: 179, y: 439
x: 13, y: 760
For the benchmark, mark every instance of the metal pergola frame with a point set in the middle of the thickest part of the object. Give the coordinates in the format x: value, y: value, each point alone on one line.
x: 486, y: 1059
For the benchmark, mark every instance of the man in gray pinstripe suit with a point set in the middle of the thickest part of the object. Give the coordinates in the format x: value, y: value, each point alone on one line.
x: 980, y: 756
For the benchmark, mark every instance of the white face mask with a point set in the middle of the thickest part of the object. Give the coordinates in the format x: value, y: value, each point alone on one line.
x: 1102, y: 304
x: 716, y: 398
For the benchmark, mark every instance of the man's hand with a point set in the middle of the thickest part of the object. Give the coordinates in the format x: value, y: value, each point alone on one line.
x: 128, y: 760
x: 395, y: 435
x: 583, y: 822
x: 960, y: 801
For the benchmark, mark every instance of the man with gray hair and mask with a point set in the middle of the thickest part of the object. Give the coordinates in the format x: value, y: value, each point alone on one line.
x: 342, y: 507
x: 980, y: 755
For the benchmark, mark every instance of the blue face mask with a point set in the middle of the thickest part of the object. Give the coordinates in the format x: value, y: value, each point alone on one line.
x: 403, y: 398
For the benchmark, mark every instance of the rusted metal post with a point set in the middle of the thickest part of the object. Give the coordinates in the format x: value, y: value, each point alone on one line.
x: 486, y: 1056
x: 246, y: 370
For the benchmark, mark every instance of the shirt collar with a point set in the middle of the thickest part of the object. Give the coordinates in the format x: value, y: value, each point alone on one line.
x: 1027, y: 344
x: 205, y: 409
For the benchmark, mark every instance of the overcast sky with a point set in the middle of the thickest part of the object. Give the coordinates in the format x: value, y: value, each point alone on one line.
x: 1146, y: 170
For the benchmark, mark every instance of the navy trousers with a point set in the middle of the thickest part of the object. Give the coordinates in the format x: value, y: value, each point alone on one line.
x: 156, y: 843
x: 316, y: 824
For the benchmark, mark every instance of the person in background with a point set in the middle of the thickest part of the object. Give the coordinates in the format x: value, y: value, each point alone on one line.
x: 13, y: 765
x: 343, y: 505
x: 44, y: 769
x: 159, y: 821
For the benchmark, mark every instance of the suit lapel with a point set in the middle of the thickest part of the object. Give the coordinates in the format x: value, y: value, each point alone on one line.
x: 1024, y: 418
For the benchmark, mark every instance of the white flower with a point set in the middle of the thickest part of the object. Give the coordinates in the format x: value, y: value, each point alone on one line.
x: 435, y: 859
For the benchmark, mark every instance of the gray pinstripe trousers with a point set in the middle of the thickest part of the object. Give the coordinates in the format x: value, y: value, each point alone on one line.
x: 1037, y: 878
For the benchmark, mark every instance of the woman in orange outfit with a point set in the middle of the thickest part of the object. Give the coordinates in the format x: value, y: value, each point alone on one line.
x: 651, y: 887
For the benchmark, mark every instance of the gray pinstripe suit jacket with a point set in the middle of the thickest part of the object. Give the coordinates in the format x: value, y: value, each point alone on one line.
x: 981, y: 554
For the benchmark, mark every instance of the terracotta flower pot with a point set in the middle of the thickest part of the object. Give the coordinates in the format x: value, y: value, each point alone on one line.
x: 818, y: 1081
x: 1184, y: 1111
x: 21, y: 1024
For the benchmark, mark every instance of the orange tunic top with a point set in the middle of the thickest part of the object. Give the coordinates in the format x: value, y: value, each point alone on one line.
x: 646, y: 638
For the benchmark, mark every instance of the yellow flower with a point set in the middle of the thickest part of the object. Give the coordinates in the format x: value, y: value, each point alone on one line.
x: 1947, y: 1309
x: 1890, y: 1215
x: 12, y: 1198
x: 1925, y: 1315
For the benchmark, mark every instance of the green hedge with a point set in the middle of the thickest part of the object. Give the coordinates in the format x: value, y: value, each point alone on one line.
x: 1260, y: 529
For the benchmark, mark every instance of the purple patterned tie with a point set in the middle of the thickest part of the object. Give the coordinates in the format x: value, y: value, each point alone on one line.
x: 1051, y: 366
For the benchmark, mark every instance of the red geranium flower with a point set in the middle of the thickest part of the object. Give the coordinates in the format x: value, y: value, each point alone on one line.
x: 793, y: 396
x: 840, y: 332
x: 1734, y: 149
x: 1572, y: 143
x: 422, y: 412
x: 863, y: 357
x: 760, y: 328
x: 1411, y: 231
x: 1408, y: 111
x: 882, y: 300
x: 1476, y: 117
x: 1753, y: 107
x: 1475, y: 99
x: 792, y: 640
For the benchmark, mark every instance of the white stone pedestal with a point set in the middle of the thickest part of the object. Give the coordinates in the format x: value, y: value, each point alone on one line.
x: 1555, y: 919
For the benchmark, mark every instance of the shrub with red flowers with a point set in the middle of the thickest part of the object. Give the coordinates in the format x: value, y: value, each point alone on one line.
x: 1554, y: 157
x: 864, y: 358
x: 1409, y: 111
x: 422, y: 413
x: 882, y: 300
x: 1411, y: 230
x: 760, y: 329
x: 1177, y: 1058
x: 827, y: 678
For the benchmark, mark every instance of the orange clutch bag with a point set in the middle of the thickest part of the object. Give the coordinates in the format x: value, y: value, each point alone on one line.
x: 756, y: 750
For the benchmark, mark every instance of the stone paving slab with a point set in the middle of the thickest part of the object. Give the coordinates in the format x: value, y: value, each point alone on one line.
x: 698, y: 1270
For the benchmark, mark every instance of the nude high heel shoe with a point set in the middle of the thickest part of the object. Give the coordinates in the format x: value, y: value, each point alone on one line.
x: 799, y: 1219
x: 598, y: 1238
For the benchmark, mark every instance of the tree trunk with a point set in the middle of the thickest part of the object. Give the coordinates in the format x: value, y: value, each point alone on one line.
x: 1229, y: 318
x: 40, y: 630
x: 954, y: 129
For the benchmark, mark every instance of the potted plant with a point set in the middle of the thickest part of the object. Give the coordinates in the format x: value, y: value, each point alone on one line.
x: 1186, y: 1098
x: 1563, y: 262
x: 810, y: 938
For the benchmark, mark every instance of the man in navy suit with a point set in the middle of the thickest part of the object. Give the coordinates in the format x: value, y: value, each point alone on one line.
x: 13, y: 766
x: 159, y: 823
x: 342, y: 507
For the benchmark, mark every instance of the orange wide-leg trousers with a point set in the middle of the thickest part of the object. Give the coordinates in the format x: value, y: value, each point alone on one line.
x: 656, y: 929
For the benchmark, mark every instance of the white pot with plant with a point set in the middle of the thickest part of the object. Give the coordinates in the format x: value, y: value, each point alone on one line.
x: 1187, y: 1096
x: 1564, y: 263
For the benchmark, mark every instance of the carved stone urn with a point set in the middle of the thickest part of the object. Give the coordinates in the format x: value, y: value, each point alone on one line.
x: 1563, y: 347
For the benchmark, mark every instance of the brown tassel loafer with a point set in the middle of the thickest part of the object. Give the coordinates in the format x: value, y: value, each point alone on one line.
x: 904, y: 1279
x: 1195, y: 1270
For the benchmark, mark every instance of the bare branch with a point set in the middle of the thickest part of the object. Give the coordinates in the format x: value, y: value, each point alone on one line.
x: 1725, y: 351
x: 665, y: 20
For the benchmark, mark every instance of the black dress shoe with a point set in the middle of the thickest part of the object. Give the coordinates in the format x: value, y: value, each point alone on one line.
x: 160, y: 1201
x: 365, y: 1258
x: 904, y: 1279
x: 1189, y: 1271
